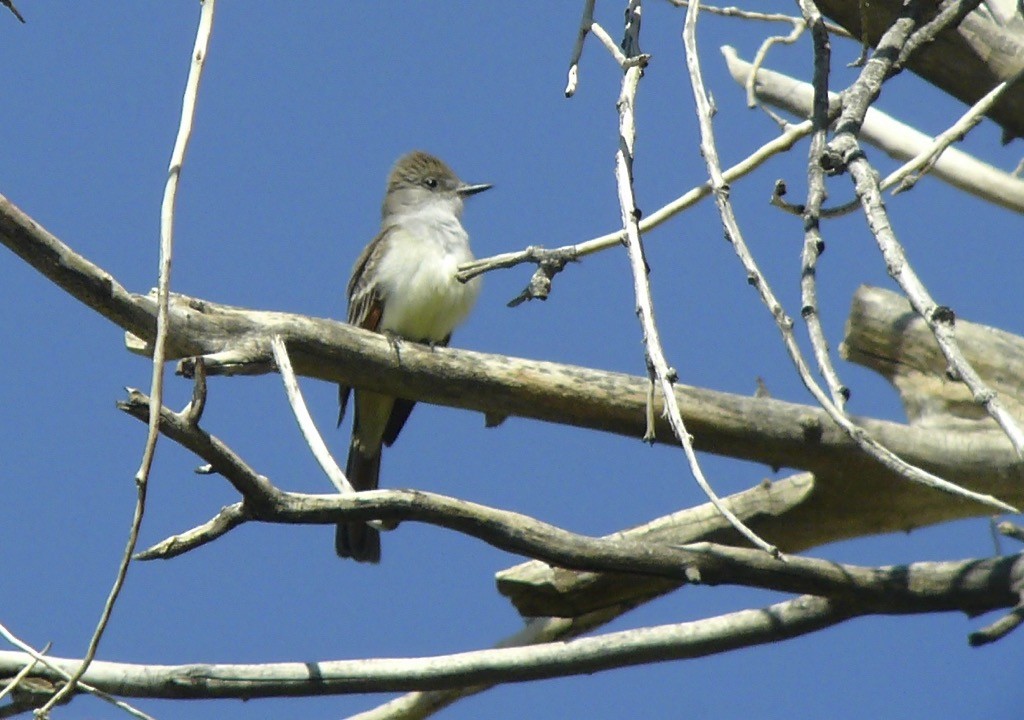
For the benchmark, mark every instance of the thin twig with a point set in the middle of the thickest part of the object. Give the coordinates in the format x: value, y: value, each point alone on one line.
x: 745, y: 14
x: 229, y: 517
x: 814, y: 244
x: 620, y: 58
x: 13, y: 683
x: 907, y: 175
x: 661, y: 373
x: 999, y: 629
x: 10, y: 6
x: 159, y: 345
x: 574, y: 62
x: 193, y: 412
x: 762, y: 53
x: 305, y: 420
x: 1010, y: 530
x: 313, y: 437
x: 800, y: 209
x: 568, y: 253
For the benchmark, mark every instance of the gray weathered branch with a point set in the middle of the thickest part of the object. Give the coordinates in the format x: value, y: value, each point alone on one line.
x: 847, y: 485
x: 969, y: 586
x: 893, y: 137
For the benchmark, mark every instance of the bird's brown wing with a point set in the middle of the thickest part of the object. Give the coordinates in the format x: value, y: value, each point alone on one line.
x: 365, y: 304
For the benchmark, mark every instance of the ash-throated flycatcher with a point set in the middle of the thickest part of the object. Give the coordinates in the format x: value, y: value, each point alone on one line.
x: 404, y: 285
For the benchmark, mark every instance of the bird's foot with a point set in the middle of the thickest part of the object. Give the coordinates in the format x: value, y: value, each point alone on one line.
x: 395, y: 341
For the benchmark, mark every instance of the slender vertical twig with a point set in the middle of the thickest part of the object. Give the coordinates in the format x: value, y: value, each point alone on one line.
x: 661, y: 373
x: 308, y: 428
x: 305, y: 420
x: 159, y: 343
x: 814, y: 244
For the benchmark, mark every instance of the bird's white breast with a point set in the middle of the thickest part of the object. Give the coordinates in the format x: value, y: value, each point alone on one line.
x: 423, y: 300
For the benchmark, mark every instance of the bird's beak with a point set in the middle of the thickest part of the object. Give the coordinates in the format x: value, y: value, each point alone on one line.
x: 467, y: 190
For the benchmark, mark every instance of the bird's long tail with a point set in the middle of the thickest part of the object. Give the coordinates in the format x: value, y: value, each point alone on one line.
x: 357, y: 540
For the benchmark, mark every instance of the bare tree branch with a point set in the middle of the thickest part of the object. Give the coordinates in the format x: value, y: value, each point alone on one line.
x: 970, y: 586
x: 704, y: 562
x: 765, y: 430
x: 814, y: 244
x: 553, y: 261
x: 60, y: 677
x: 574, y: 62
x: 9, y: 4
x: 906, y: 176
x: 420, y: 704
x: 1010, y: 530
x: 896, y: 139
x: 656, y: 357
x: 844, y: 153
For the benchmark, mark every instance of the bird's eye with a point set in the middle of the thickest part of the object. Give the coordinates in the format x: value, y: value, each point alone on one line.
x: 430, y: 182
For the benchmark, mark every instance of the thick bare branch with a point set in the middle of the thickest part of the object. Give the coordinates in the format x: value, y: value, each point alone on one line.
x: 765, y: 430
x: 884, y: 334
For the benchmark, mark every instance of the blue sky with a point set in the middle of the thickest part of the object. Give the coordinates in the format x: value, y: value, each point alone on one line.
x: 303, y: 108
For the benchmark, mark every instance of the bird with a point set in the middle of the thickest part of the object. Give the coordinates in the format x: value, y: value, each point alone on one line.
x: 404, y: 285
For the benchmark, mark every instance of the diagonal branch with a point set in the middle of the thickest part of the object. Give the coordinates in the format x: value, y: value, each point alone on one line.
x: 965, y: 60
x: 643, y: 291
x: 554, y: 260
x: 896, y: 139
x: 160, y: 345
x: 906, y: 176
x: 844, y: 153
x: 762, y: 430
